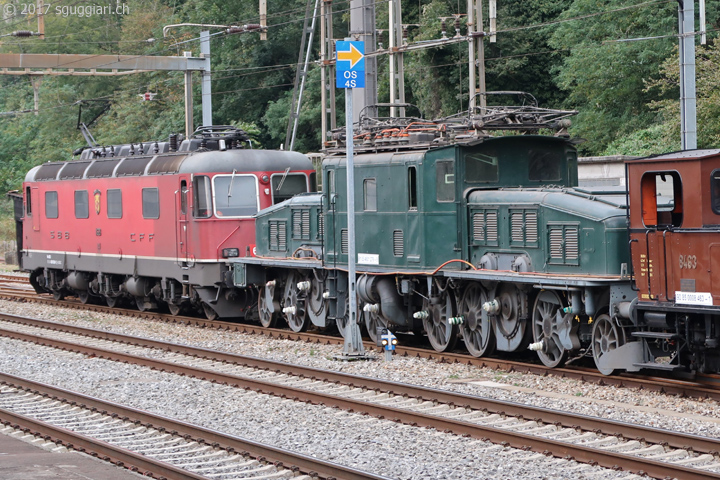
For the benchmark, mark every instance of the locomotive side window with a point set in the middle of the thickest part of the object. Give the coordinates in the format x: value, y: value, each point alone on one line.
x: 370, y: 195
x: 114, y: 203
x: 28, y: 202
x: 286, y: 186
x: 235, y: 195
x: 82, y: 209
x: 662, y: 204
x: 51, y: 205
x: 481, y: 167
x: 545, y: 166
x: 202, y: 206
x: 715, y: 191
x: 412, y: 188
x: 445, y: 181
x: 151, y: 203
x: 183, y: 197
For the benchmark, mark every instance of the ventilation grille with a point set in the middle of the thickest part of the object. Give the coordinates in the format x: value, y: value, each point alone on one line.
x: 524, y: 227
x: 344, y: 240
x: 485, y: 229
x: 321, y: 225
x: 564, y: 244
x: 278, y: 236
x: 301, y: 224
x: 398, y: 243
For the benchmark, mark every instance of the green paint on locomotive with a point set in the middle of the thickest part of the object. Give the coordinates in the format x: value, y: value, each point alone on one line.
x: 504, y: 197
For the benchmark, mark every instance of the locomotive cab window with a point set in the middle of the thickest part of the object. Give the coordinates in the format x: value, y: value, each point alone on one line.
x: 235, y: 195
x: 287, y: 185
x: 545, y: 166
x: 481, y: 167
x: 202, y: 206
x: 370, y: 195
x: 114, y: 203
x: 445, y: 181
x: 151, y: 203
x: 412, y: 188
x: 28, y: 202
x: 51, y: 205
x: 82, y: 209
x: 715, y: 191
x: 662, y: 204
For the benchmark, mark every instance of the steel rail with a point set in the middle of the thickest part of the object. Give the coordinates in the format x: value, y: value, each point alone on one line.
x: 556, y: 448
x: 705, y: 387
x: 306, y: 464
x: 604, y: 426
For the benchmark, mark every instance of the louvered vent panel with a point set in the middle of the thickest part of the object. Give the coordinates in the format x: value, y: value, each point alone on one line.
x: 282, y: 236
x: 297, y: 223
x: 531, y: 227
x: 571, y: 244
x: 398, y: 243
x: 273, y: 235
x: 344, y: 241
x: 491, y: 228
x: 479, y: 227
x: 556, y: 243
x: 306, y: 224
x: 321, y: 225
x: 516, y: 227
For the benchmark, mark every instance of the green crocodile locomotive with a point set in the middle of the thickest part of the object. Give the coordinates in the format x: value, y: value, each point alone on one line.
x: 459, y: 235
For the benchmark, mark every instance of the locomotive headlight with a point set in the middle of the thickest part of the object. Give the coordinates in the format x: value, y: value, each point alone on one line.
x: 230, y: 252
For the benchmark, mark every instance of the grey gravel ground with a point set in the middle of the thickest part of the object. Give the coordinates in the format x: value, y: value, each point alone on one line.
x: 382, y: 447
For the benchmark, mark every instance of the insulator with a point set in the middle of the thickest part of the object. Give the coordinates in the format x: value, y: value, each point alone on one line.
x: 421, y: 315
x: 132, y: 149
x: 22, y: 33
x: 303, y: 286
x: 173, y: 140
x: 156, y: 148
x: 457, y: 26
x: 141, y: 149
x: 443, y: 28
x: 112, y: 150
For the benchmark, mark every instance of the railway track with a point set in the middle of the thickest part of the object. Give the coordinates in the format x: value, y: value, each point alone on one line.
x: 658, y: 453
x: 152, y: 445
x: 698, y: 386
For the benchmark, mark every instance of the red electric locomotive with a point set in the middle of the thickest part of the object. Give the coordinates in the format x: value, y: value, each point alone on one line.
x: 155, y: 222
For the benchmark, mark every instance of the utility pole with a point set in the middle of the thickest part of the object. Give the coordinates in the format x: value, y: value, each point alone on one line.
x: 397, y: 62
x: 327, y: 54
x: 206, y: 79
x: 362, y: 28
x: 686, y: 29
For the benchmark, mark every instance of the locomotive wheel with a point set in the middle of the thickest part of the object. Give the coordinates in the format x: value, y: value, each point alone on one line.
x: 268, y: 319
x: 84, y: 297
x: 545, y: 328
x: 441, y: 334
x: 476, y: 328
x: 297, y: 320
x: 606, y: 337
x: 210, y: 313
x: 316, y: 304
x: 372, y: 322
x: 174, y: 309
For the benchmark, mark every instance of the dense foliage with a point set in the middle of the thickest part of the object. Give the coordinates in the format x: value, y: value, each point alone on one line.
x: 568, y: 53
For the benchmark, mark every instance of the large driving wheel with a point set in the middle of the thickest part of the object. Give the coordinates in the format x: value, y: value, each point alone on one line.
x: 372, y: 322
x: 545, y: 328
x: 441, y: 334
x: 268, y: 318
x: 316, y: 305
x: 606, y: 337
x: 476, y: 327
x: 294, y: 309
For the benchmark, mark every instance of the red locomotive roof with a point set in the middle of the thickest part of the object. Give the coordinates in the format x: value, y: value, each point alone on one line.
x: 239, y: 160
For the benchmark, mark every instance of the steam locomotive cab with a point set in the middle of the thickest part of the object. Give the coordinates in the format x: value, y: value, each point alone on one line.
x: 674, y: 226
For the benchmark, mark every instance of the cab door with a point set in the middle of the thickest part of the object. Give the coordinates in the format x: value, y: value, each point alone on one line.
x: 33, y: 207
x: 183, y: 197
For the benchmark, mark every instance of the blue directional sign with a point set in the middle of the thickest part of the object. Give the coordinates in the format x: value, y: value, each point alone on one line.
x: 350, y: 64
